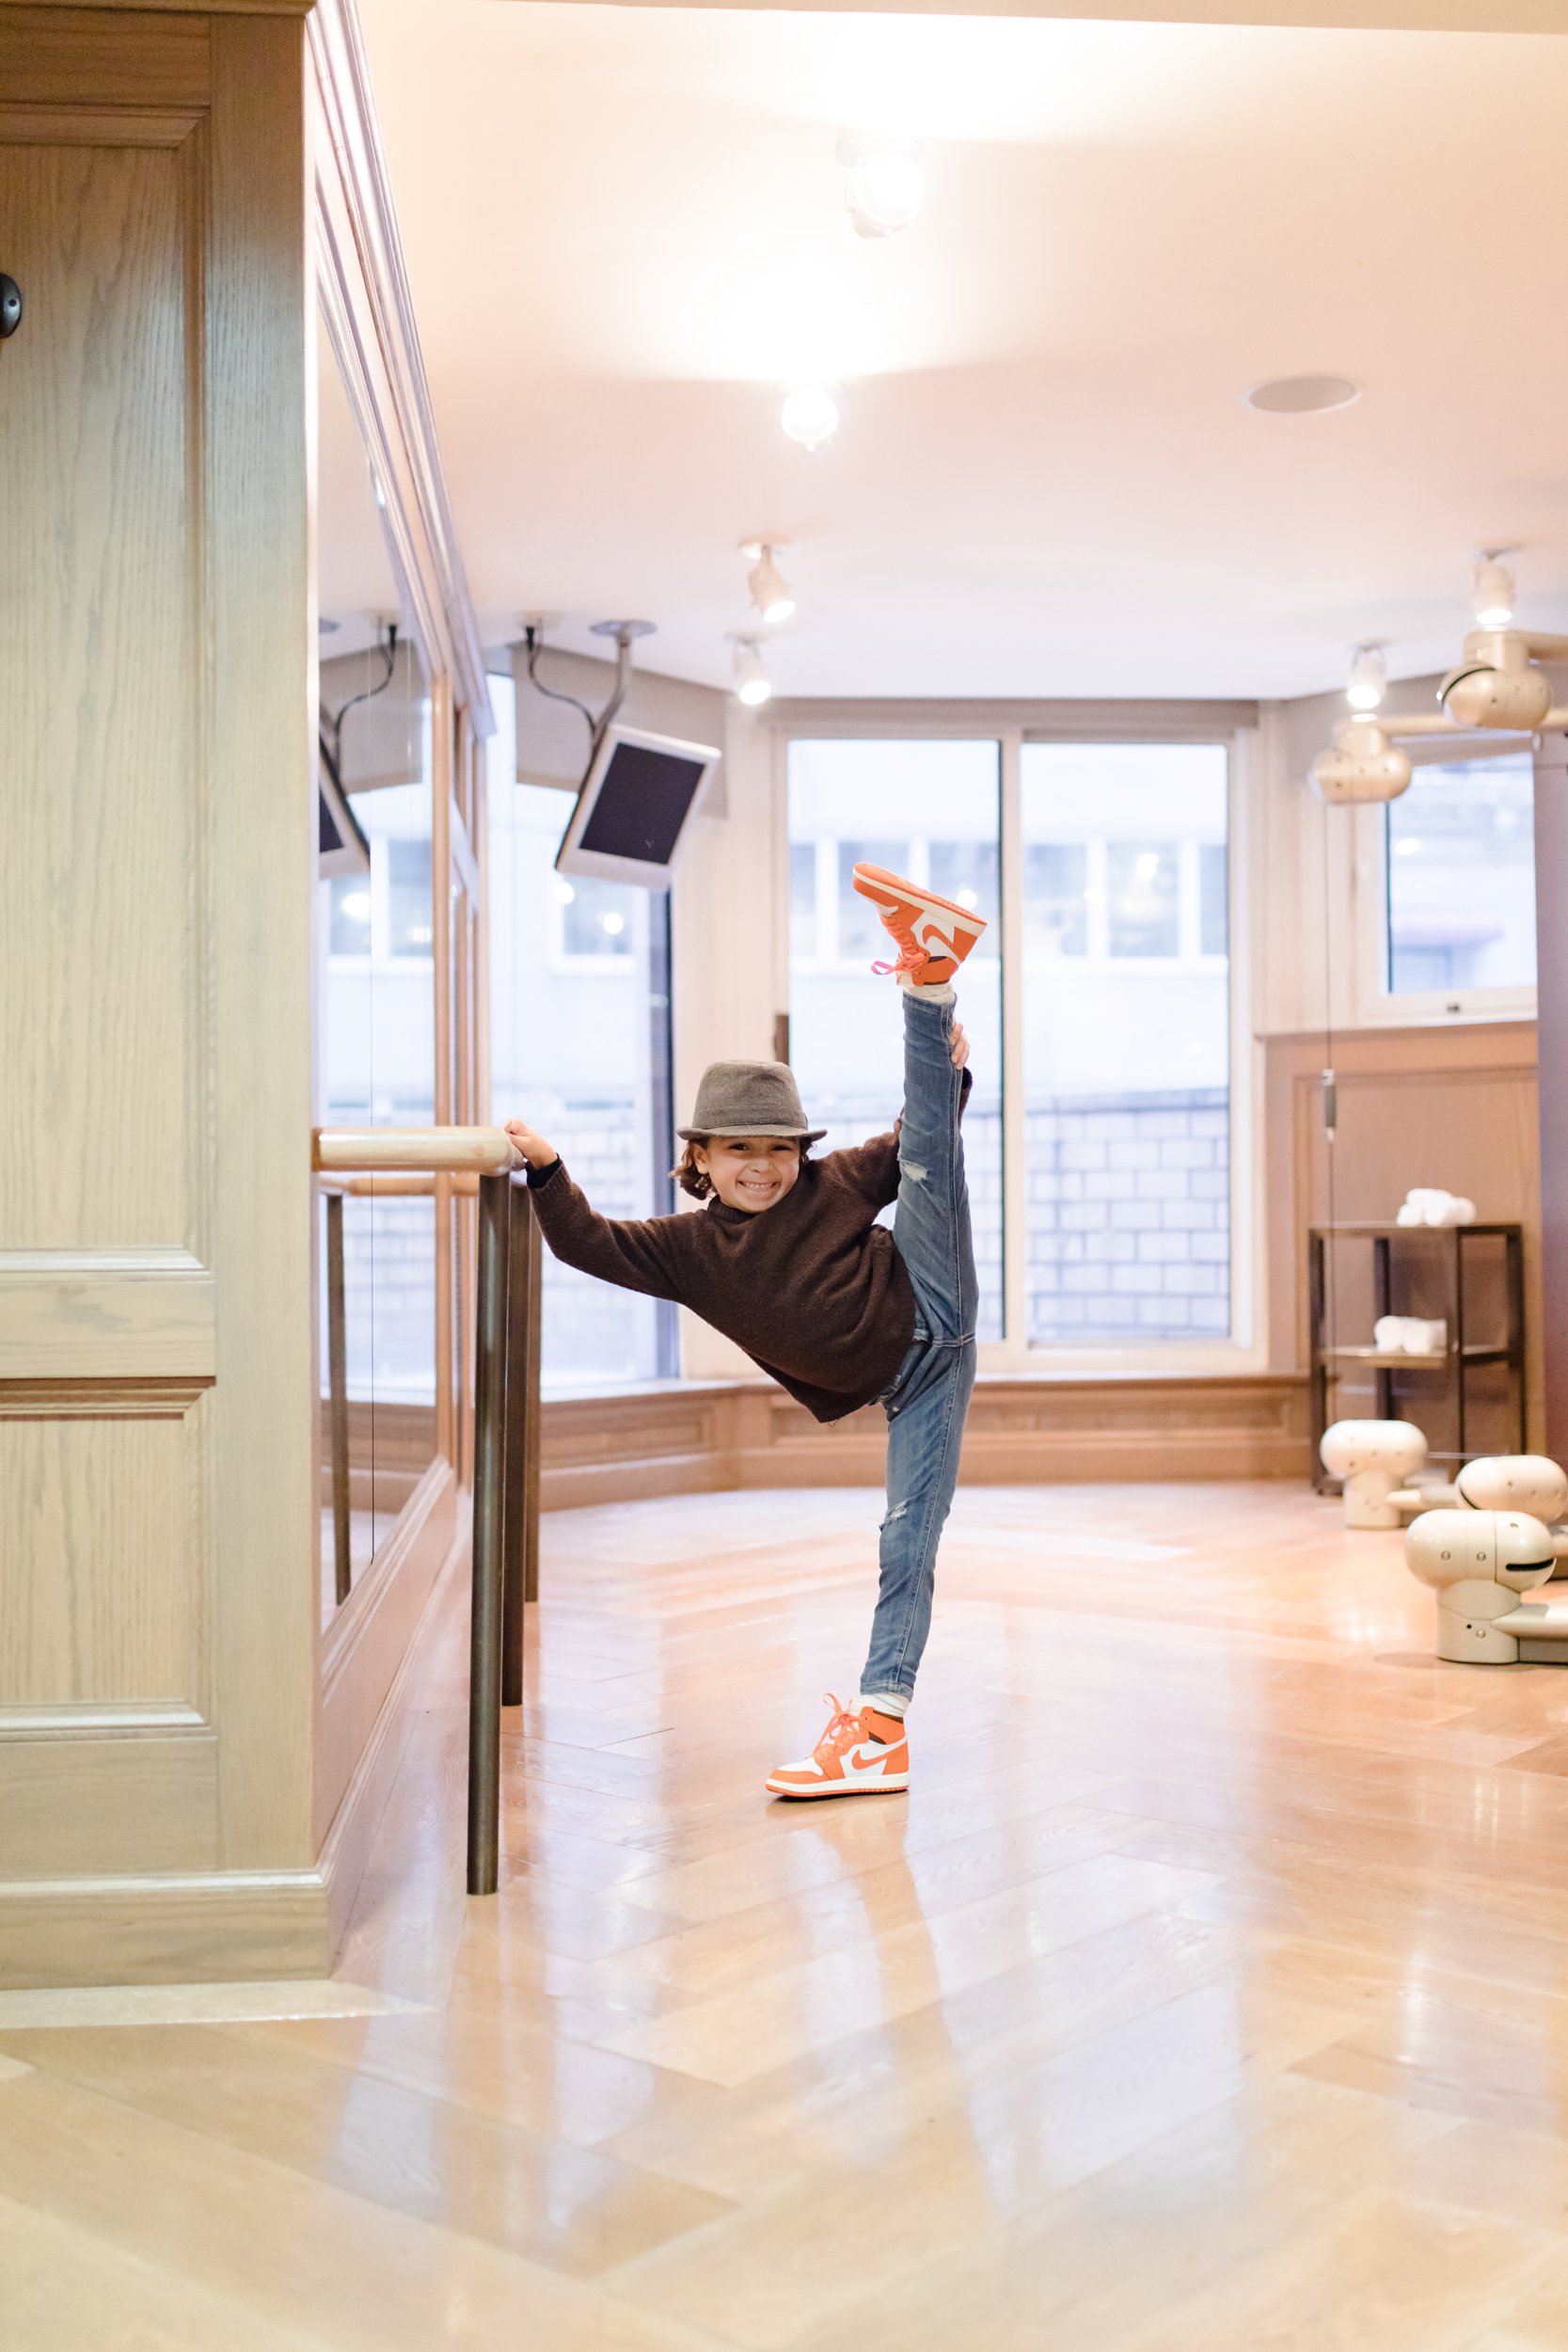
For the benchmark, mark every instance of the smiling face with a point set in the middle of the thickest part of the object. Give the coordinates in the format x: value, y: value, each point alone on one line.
x: 750, y: 1172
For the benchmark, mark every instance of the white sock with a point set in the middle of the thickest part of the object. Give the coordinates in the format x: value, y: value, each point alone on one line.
x: 884, y: 1703
x: 938, y: 993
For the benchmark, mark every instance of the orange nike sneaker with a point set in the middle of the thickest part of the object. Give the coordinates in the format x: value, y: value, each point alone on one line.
x: 934, y: 934
x: 849, y: 1760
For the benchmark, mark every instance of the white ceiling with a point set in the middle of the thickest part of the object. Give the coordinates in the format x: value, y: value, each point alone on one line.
x: 624, y: 230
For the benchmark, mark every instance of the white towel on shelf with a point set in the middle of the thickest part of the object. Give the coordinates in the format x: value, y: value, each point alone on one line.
x: 1409, y: 1335
x: 1425, y: 1205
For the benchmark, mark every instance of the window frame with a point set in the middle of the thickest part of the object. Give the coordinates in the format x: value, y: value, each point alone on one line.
x: 1235, y: 729
x: 1381, y: 1008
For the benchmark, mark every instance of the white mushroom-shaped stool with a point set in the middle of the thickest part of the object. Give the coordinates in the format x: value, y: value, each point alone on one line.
x: 1479, y: 1562
x: 1374, y: 1458
x: 1518, y: 1482
x: 1514, y: 1482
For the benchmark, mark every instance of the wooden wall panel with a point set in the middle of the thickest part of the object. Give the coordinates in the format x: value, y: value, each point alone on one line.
x: 161, y: 1812
x: 1453, y: 1106
x: 157, y: 1628
x: 96, y: 660
x: 1022, y: 1430
x: 64, y: 58
x: 1551, y: 959
x: 103, y: 1573
x: 257, y: 293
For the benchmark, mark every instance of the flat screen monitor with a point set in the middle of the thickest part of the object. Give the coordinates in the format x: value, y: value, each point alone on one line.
x: 636, y: 800
x: 342, y: 847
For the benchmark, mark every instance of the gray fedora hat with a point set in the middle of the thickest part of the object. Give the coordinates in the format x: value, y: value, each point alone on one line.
x: 749, y: 1098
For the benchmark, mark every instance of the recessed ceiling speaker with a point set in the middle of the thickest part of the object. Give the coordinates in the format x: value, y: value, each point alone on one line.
x: 1303, y: 395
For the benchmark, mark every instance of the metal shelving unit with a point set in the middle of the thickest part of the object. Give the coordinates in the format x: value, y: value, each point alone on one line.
x: 1451, y: 1367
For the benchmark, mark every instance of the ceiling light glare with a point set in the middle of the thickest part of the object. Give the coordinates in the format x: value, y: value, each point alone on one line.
x: 1303, y: 395
x: 1368, y: 678
x: 753, y: 685
x: 1492, y: 590
x: 810, y: 414
x: 771, y: 594
x: 887, y: 183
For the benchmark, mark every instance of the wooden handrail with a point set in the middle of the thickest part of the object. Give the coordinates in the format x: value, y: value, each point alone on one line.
x: 416, y: 1162
x: 368, y: 1151
x: 390, y: 1185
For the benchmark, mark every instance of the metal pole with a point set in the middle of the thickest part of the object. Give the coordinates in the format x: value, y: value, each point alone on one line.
x: 484, y: 1668
x: 514, y: 1513
x: 532, y: 1364
x: 337, y: 1397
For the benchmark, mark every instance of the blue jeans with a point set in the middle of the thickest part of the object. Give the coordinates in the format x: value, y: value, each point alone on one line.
x: 927, y: 1402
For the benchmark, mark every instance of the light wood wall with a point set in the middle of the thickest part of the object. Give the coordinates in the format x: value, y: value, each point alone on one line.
x: 1453, y: 1106
x: 156, y: 1409
x: 703, y: 1436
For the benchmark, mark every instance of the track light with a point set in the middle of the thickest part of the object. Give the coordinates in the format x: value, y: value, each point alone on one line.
x: 753, y: 685
x: 1492, y: 589
x: 771, y: 594
x: 886, y: 182
x: 810, y: 414
x: 1368, y: 678
x: 1497, y: 684
x: 1361, y: 764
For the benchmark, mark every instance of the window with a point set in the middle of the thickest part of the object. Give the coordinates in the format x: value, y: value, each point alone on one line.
x: 350, y: 914
x: 1056, y: 899
x: 930, y: 810
x: 409, y: 926
x: 1126, y: 1043
x: 859, y: 932
x: 597, y: 918
x: 1213, y: 863
x: 802, y: 899
x: 387, y: 912
x: 581, y: 1049
x: 1460, y: 862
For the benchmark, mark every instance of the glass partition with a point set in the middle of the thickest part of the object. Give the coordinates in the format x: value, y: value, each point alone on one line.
x: 374, y: 1007
x: 579, y: 977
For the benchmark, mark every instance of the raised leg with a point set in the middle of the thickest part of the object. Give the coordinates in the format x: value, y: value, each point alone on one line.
x: 927, y: 1412
x: 931, y: 1222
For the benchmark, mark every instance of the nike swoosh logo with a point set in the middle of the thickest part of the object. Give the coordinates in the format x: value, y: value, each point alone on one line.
x: 861, y: 1758
x: 930, y: 937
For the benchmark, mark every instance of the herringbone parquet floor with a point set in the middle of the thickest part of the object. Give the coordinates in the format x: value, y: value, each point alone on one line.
x: 1208, y: 1993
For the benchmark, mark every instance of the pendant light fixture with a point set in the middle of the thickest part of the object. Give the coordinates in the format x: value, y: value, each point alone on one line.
x: 1369, y: 677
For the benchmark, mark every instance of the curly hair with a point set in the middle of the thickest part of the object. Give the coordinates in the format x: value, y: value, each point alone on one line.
x: 696, y: 1181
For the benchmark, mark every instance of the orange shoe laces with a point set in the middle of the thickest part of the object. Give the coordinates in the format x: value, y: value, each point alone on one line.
x: 842, y: 1726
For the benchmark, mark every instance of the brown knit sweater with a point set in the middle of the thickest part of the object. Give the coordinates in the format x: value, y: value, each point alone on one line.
x: 813, y: 1289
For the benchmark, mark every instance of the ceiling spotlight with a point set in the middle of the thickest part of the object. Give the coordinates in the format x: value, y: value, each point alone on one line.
x: 810, y: 414
x: 886, y: 182
x: 1368, y: 678
x: 753, y: 685
x: 771, y: 594
x: 1492, y: 589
